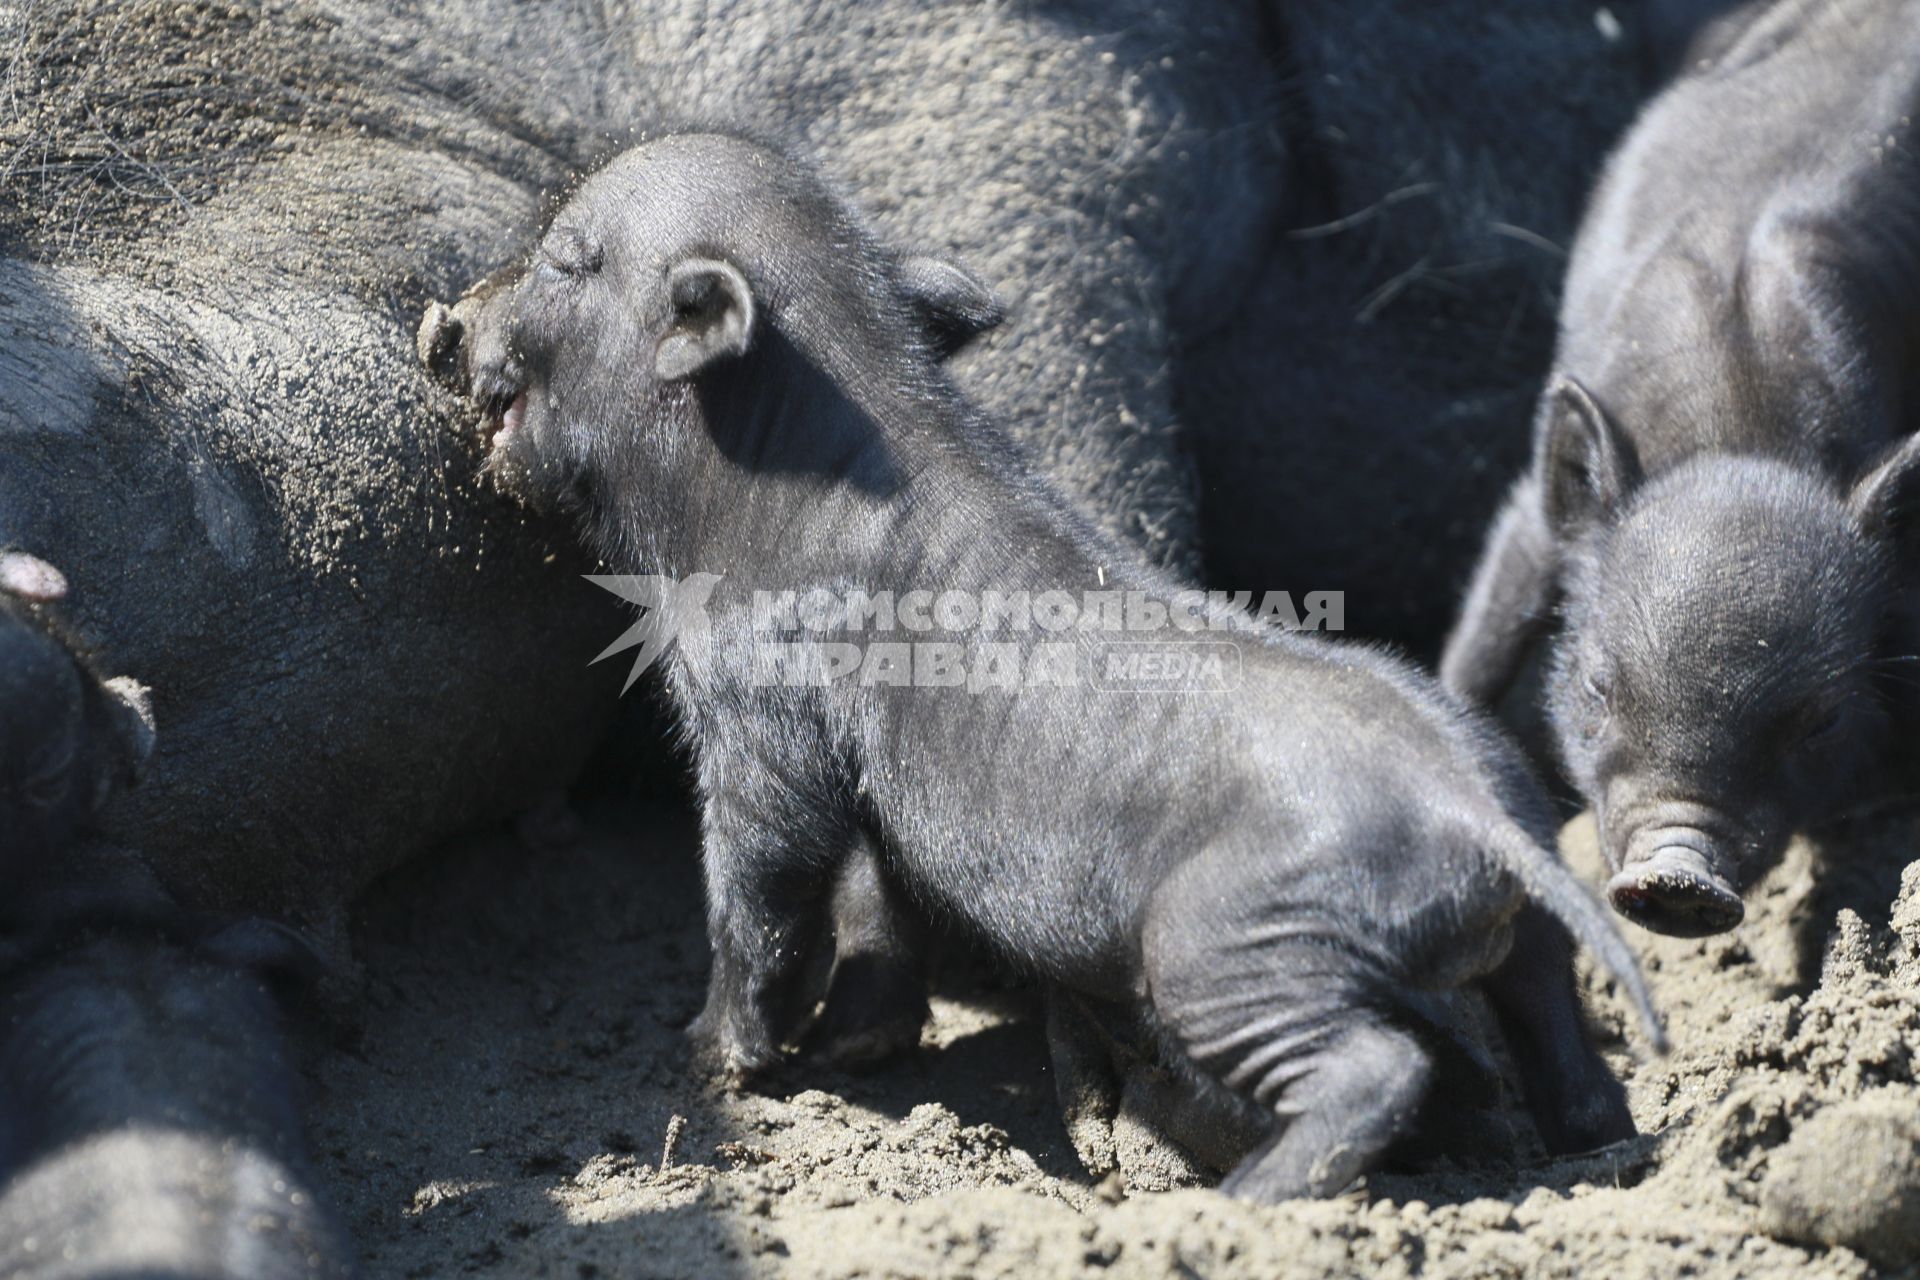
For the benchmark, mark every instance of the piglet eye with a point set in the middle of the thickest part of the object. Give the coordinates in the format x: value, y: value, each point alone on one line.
x: 1599, y: 685
x: 566, y: 254
x: 1822, y: 729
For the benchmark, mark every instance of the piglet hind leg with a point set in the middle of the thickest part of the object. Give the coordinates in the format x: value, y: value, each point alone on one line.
x: 1254, y: 995
x: 1508, y: 605
x: 1352, y: 1099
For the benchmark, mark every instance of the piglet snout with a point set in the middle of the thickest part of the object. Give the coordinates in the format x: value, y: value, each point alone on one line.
x: 1671, y: 884
x: 437, y: 343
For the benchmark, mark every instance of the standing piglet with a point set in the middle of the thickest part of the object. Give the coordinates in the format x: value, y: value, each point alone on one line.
x: 1721, y: 502
x: 1279, y: 850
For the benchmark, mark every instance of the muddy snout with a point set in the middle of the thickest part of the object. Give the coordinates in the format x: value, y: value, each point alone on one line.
x: 464, y: 349
x: 437, y: 343
x: 456, y: 344
x: 1672, y: 882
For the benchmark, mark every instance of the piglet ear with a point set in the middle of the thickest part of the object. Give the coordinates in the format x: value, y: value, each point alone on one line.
x: 30, y: 578
x: 713, y: 317
x: 954, y: 306
x: 1886, y: 500
x: 1588, y: 466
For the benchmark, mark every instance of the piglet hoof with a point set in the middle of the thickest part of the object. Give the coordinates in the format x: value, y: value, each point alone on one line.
x: 1195, y: 1129
x: 874, y: 1011
x: 863, y: 1048
x: 1090, y: 1134
x: 1675, y: 893
x: 1604, y: 1121
x: 1086, y: 1082
x: 726, y: 1057
x: 1581, y: 1107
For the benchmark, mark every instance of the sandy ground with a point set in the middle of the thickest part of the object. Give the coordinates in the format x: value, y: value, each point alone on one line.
x: 517, y: 1104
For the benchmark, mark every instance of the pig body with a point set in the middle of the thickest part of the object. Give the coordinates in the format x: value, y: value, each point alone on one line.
x: 1719, y: 504
x: 715, y: 369
x: 149, y: 1120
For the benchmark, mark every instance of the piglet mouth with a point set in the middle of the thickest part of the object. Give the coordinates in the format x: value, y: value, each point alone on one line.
x: 505, y: 418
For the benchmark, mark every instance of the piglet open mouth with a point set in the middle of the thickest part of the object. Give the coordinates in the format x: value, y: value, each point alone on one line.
x: 505, y: 419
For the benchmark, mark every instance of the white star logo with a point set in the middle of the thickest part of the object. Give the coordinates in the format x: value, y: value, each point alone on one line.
x: 671, y: 610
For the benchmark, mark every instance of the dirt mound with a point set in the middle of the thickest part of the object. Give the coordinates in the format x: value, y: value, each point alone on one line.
x: 520, y: 1078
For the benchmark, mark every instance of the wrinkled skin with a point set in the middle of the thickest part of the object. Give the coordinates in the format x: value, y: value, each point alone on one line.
x: 149, y: 1120
x: 355, y: 653
x: 713, y: 367
x: 1719, y: 510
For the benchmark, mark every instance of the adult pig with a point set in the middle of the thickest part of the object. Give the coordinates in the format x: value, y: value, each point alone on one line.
x: 1359, y: 417
x: 221, y: 222
x: 1724, y: 465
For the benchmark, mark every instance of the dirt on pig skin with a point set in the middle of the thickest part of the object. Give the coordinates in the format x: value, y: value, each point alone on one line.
x: 516, y: 1103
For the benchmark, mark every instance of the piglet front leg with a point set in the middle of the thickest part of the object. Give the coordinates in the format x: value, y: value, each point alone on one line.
x: 774, y: 833
x: 1508, y: 606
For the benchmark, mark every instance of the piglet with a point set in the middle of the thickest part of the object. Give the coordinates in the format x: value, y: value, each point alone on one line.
x: 712, y: 365
x: 1717, y: 536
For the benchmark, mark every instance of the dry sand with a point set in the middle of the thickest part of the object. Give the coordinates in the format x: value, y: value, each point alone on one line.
x: 517, y: 1105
